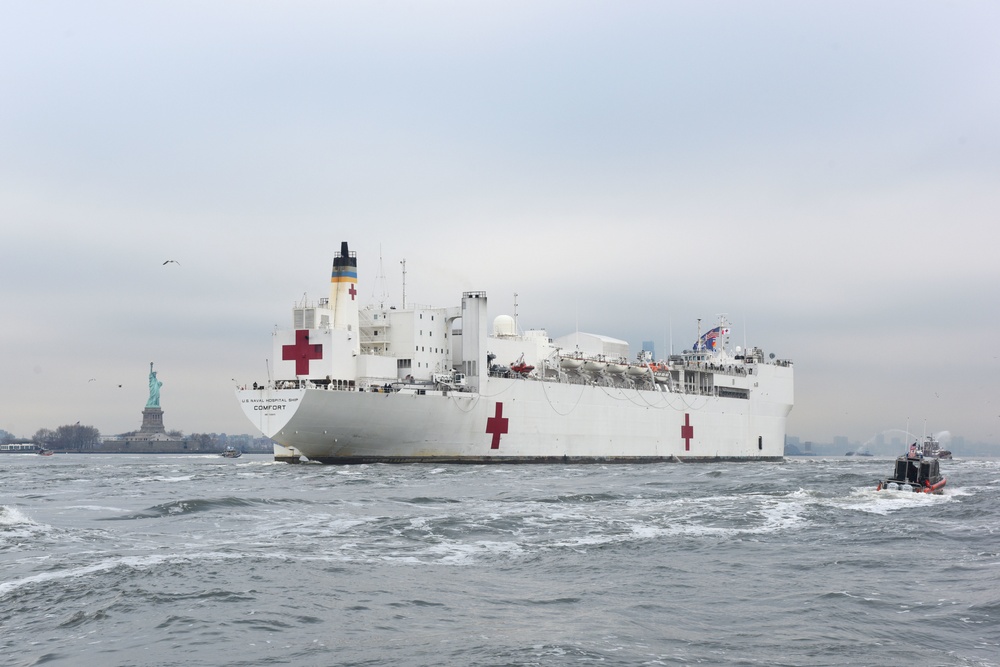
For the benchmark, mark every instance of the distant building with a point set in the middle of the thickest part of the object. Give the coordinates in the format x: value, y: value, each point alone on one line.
x: 593, y: 345
x: 20, y: 447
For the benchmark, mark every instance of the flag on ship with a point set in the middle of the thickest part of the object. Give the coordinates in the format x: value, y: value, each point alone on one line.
x: 710, y: 339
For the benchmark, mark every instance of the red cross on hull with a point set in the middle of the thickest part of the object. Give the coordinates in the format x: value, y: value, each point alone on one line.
x: 687, y: 432
x: 497, y: 425
x: 301, y: 352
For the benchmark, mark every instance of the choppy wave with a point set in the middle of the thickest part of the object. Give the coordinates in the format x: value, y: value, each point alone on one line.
x: 189, y: 506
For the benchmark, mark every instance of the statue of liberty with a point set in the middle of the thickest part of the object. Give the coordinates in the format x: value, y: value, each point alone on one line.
x: 154, y: 389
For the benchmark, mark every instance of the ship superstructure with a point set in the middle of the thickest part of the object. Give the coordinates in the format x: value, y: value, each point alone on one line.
x: 358, y: 384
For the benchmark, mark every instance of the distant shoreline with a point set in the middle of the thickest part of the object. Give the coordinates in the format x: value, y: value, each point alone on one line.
x: 129, y: 453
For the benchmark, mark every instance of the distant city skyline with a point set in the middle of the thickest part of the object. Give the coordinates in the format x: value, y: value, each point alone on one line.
x: 894, y: 445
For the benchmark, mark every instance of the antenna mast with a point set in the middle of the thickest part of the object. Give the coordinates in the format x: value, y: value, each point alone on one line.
x: 516, y: 330
x: 404, y: 283
x: 380, y: 283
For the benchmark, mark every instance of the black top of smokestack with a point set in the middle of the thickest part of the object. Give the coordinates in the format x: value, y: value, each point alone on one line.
x: 345, y: 257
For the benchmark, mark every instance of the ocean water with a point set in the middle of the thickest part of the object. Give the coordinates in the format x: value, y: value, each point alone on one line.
x: 199, y: 560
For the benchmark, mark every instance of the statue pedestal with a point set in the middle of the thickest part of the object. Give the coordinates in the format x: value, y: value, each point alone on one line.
x: 152, y: 421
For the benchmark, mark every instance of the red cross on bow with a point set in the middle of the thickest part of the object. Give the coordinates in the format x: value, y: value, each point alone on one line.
x: 301, y: 352
x: 687, y: 431
x: 353, y: 292
x: 497, y: 425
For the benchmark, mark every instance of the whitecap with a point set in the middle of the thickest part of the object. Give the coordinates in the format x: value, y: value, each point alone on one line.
x: 11, y: 516
x: 96, y: 508
x: 867, y: 499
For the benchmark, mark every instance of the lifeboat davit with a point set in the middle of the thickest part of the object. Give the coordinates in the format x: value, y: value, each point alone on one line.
x: 521, y: 367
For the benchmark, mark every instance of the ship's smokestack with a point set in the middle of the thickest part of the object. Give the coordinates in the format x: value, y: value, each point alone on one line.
x: 344, y: 293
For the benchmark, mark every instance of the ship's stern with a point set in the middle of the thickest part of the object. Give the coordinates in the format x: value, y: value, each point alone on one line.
x: 269, y: 410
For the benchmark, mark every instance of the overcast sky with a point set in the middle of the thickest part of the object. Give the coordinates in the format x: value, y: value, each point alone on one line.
x: 825, y: 173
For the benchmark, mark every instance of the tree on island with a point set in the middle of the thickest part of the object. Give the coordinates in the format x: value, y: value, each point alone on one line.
x: 71, y: 437
x: 204, y: 441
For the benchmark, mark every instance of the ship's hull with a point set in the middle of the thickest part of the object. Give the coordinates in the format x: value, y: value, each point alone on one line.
x: 517, y: 420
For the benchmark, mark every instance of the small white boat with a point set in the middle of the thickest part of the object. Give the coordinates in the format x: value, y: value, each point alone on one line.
x: 932, y: 448
x: 617, y: 367
x: 571, y: 363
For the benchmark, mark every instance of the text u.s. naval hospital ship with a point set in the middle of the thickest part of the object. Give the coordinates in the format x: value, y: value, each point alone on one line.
x: 385, y: 384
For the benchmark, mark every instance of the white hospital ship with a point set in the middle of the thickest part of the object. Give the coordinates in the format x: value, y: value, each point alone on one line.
x: 385, y: 384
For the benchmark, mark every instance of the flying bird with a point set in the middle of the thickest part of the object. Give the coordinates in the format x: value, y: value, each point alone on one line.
x: 171, y: 261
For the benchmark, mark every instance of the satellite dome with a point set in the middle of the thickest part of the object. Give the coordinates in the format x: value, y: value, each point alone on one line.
x: 503, y: 325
